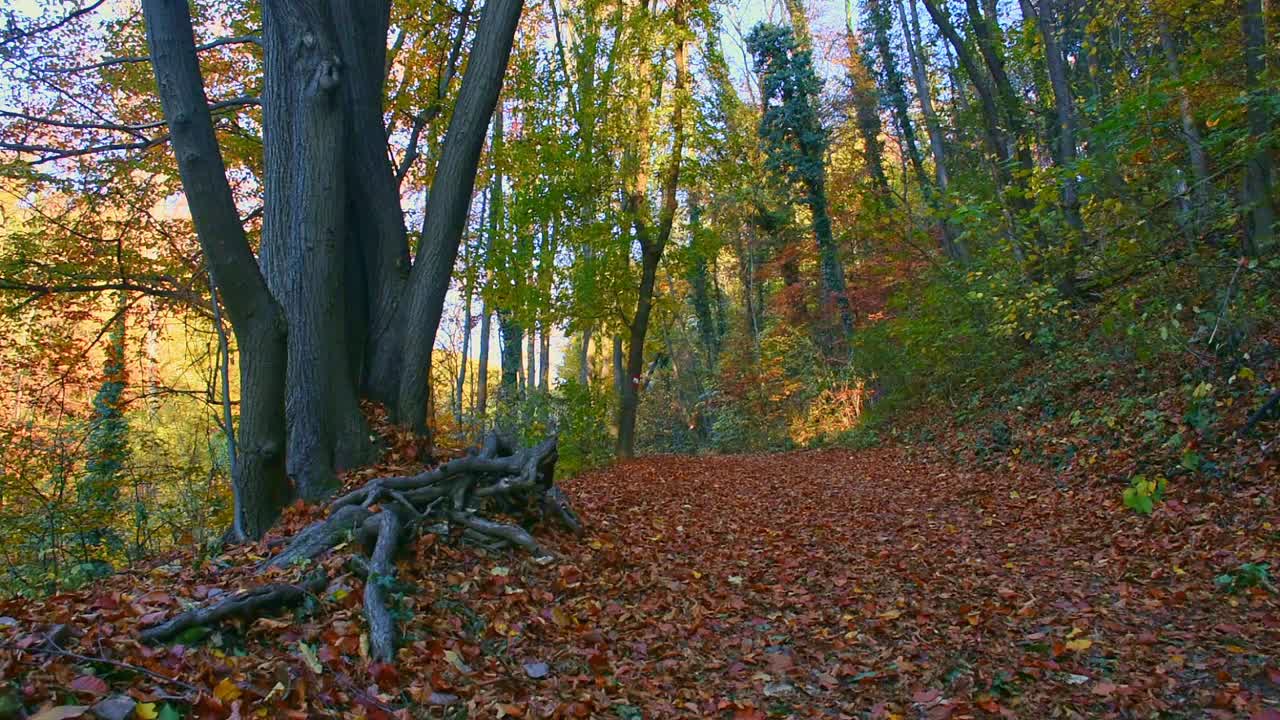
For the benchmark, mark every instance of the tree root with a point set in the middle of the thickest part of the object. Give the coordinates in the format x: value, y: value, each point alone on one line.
x: 382, y: 515
x: 247, y: 604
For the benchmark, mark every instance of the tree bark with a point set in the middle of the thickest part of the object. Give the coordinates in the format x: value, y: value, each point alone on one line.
x: 304, y: 229
x: 652, y: 245
x: 447, y: 205
x: 260, y: 484
x: 1198, y: 159
x: 952, y: 245
x: 1259, y: 214
x: 1047, y: 20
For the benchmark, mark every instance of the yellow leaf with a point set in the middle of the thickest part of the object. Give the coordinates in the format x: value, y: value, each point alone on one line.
x: 225, y: 691
x: 146, y: 711
x: 1078, y: 645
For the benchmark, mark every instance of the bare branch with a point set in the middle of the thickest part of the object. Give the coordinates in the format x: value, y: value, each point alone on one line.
x: 130, y: 59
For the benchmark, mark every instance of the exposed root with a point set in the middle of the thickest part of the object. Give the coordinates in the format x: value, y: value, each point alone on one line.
x: 384, y: 513
x: 247, y: 604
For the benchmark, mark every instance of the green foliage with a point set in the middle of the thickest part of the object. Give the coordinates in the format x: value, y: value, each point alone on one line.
x: 1248, y: 575
x: 1143, y: 493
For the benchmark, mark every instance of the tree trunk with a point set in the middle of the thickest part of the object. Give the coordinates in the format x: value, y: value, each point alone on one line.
x: 509, y: 336
x: 544, y: 380
x: 379, y: 255
x: 882, y: 25
x: 619, y: 366
x: 1259, y: 214
x: 482, y: 362
x: 447, y: 205
x: 304, y: 228
x: 652, y: 245
x: 466, y: 354
x: 829, y: 257
x: 866, y: 107
x: 1064, y: 109
x: 1198, y: 159
x: 584, y: 358
x: 952, y: 245
x: 260, y: 485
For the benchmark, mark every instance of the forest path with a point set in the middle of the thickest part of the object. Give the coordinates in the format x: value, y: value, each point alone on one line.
x: 877, y: 584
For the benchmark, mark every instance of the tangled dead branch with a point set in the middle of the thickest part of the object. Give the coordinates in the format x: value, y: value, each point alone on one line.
x: 385, y: 513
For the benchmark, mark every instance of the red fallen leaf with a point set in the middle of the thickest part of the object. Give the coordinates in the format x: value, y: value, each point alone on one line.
x: 748, y: 713
x: 1103, y: 689
x: 153, y: 618
x: 89, y: 684
x: 926, y: 697
x: 385, y: 675
x: 1266, y: 714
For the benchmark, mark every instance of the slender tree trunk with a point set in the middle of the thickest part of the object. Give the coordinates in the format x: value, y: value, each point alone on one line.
x: 448, y: 203
x: 882, y: 25
x: 1259, y: 214
x: 952, y: 245
x: 584, y: 357
x: 1196, y: 155
x: 544, y: 380
x: 531, y: 358
x: 619, y: 366
x: 1064, y: 156
x: 866, y: 107
x: 466, y: 354
x: 482, y: 362
x: 260, y: 485
x: 652, y: 246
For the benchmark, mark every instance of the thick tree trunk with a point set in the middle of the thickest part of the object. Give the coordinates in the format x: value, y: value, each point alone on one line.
x: 1259, y: 214
x: 304, y: 229
x: 448, y: 202
x: 260, y: 485
x: 379, y: 266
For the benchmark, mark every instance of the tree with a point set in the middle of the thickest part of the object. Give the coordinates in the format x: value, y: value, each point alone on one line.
x: 318, y: 92
x: 795, y: 143
x: 652, y: 241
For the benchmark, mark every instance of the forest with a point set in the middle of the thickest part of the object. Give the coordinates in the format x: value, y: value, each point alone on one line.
x: 736, y: 359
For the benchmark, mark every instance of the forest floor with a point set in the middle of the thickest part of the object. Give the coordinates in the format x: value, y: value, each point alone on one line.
x: 881, y: 583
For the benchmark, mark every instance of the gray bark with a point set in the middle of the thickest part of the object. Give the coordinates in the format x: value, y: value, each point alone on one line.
x: 448, y: 202
x: 1198, y: 159
x: 259, y: 482
x: 1064, y: 156
x: 1259, y: 214
x: 304, y: 231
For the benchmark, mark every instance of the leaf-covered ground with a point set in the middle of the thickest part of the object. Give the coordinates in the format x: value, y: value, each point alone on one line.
x: 830, y: 584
